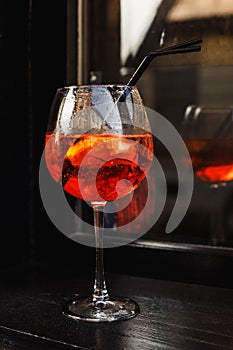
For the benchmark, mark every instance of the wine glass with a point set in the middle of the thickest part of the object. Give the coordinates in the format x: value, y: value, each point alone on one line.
x: 208, y: 134
x: 99, y: 148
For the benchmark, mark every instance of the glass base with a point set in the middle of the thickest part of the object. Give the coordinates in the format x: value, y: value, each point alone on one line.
x: 115, y: 309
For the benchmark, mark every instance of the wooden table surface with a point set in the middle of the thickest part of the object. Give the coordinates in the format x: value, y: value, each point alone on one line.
x: 173, y: 315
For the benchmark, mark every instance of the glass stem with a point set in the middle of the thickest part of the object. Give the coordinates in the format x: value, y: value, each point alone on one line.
x: 100, y: 293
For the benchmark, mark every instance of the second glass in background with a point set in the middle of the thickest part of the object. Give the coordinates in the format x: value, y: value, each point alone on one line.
x: 208, y: 134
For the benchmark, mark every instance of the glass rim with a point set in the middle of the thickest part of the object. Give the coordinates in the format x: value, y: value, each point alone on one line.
x: 83, y: 86
x: 210, y: 108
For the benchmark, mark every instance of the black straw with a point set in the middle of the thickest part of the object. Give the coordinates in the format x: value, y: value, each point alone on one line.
x: 181, y: 45
x: 187, y: 46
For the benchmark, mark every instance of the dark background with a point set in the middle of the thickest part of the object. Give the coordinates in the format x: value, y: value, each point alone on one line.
x: 33, y: 66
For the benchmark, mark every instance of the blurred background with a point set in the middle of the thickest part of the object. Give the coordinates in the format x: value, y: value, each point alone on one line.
x: 46, y: 45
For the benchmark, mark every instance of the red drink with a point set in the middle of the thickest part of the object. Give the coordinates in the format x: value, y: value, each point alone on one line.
x: 212, y: 159
x: 112, y: 165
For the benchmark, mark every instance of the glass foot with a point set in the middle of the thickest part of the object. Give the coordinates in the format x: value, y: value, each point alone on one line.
x: 115, y: 309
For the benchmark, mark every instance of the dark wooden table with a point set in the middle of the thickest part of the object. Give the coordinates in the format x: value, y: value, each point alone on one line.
x: 173, y: 315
